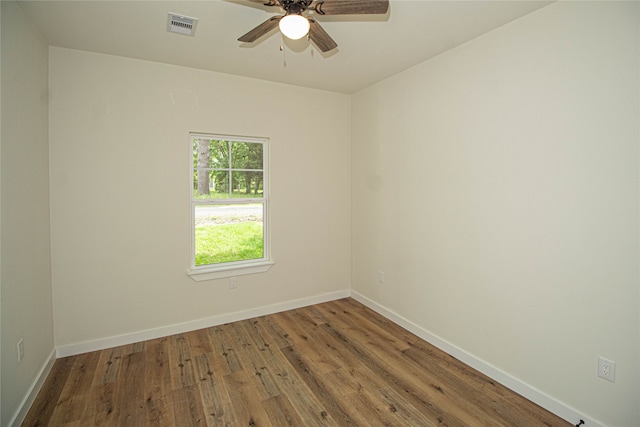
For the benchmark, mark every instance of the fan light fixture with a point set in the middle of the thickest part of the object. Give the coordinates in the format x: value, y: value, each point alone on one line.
x: 294, y: 26
x: 293, y: 15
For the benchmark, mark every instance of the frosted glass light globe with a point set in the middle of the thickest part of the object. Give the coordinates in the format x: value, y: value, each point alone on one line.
x: 294, y: 26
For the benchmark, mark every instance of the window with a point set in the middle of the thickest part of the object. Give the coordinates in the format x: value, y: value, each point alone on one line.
x: 229, y: 209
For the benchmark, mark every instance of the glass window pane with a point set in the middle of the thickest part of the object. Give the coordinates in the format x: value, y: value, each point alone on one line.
x: 208, y: 184
x: 247, y: 184
x: 227, y: 233
x: 246, y: 155
x: 219, y: 152
x: 210, y: 153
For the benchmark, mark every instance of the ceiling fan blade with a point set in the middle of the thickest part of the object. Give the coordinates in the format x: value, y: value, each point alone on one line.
x: 351, y: 7
x: 261, y: 30
x: 320, y: 38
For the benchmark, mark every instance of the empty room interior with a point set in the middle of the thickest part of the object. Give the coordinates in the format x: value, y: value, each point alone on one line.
x: 467, y: 171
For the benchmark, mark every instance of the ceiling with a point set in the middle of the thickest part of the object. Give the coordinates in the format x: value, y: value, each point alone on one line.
x: 370, y: 47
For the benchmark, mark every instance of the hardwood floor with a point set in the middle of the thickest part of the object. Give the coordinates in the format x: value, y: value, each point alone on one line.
x: 332, y: 364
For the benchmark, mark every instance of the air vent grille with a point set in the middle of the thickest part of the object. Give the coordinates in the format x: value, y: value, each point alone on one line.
x: 181, y: 24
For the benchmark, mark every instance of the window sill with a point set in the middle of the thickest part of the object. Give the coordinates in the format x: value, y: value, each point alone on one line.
x: 212, y: 273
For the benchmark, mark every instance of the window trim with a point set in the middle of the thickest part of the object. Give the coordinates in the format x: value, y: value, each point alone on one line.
x: 235, y: 268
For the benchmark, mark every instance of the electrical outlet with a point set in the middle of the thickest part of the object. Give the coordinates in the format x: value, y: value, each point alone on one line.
x: 381, y: 277
x: 607, y: 369
x: 20, y: 347
x: 233, y: 283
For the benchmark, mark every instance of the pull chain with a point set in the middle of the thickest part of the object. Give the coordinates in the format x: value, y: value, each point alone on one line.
x: 284, y: 52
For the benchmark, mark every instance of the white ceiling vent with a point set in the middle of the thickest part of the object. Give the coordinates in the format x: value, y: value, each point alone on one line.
x: 181, y: 24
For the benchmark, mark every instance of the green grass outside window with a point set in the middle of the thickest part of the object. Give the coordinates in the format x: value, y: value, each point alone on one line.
x: 229, y: 242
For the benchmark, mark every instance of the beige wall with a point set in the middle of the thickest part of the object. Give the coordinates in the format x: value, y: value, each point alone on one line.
x: 25, y: 273
x: 497, y: 187
x: 120, y: 182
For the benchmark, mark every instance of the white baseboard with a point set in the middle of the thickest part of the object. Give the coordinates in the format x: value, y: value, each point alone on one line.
x: 33, y: 391
x: 540, y: 398
x: 115, y: 341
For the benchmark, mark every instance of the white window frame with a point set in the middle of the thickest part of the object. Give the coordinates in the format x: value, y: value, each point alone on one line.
x: 235, y: 268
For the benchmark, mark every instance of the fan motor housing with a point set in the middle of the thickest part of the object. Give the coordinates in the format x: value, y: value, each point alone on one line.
x: 295, y: 6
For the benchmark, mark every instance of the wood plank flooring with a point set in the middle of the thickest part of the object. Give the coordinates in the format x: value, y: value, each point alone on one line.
x: 331, y: 364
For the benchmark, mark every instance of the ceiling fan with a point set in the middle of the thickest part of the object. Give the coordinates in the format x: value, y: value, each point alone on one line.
x: 295, y: 24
